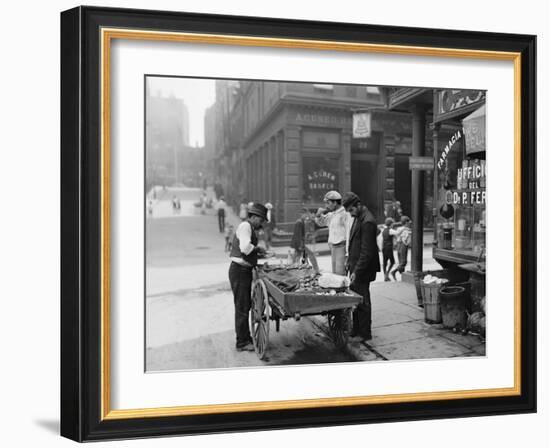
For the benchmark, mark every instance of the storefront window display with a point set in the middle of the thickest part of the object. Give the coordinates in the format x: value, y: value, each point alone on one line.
x: 461, y: 190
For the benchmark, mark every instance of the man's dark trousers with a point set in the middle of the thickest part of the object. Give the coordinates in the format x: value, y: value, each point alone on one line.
x: 362, y: 314
x: 240, y: 278
x: 221, y: 220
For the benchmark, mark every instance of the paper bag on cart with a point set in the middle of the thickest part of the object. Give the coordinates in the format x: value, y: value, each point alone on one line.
x: 329, y: 280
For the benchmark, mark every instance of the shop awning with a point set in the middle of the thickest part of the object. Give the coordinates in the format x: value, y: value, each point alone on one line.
x: 475, y: 131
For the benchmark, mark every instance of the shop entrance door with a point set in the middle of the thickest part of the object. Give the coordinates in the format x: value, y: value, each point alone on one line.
x: 365, y: 183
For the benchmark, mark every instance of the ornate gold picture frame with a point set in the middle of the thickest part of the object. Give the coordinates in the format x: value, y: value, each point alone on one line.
x: 87, y: 35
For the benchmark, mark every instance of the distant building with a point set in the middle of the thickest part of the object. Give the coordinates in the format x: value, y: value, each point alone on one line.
x: 226, y: 91
x: 191, y: 166
x: 166, y: 133
x: 210, y: 141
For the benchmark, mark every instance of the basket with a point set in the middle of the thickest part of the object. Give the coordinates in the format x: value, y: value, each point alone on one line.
x: 430, y: 294
x: 430, y: 299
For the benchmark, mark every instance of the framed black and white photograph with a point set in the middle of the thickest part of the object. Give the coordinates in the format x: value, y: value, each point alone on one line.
x: 278, y: 224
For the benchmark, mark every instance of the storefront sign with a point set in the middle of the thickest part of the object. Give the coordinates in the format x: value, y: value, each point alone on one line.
x: 470, y: 197
x: 454, y: 138
x: 320, y: 175
x: 328, y: 120
x: 470, y: 183
x: 361, y: 125
x: 474, y: 131
x: 321, y: 180
x: 451, y: 102
x: 472, y: 176
x: 421, y: 163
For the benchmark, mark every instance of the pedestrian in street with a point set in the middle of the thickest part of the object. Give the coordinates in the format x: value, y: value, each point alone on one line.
x: 363, y: 261
x: 403, y: 240
x: 150, y: 208
x: 174, y: 204
x: 335, y: 217
x: 229, y: 233
x: 221, y: 206
x: 269, y: 225
x: 218, y: 190
x: 394, y: 211
x: 299, y: 241
x: 244, y: 258
x: 388, y: 260
x: 203, y: 202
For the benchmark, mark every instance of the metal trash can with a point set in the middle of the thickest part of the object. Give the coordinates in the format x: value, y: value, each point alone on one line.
x: 453, y: 306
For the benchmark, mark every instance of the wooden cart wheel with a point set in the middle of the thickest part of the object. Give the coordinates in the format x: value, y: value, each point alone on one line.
x: 259, y: 317
x: 339, y: 323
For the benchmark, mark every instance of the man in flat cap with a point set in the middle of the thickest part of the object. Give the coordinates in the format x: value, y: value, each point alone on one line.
x: 335, y: 217
x: 363, y: 261
x: 244, y: 257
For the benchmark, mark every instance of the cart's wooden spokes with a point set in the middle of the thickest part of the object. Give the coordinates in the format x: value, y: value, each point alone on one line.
x: 339, y: 323
x: 259, y: 317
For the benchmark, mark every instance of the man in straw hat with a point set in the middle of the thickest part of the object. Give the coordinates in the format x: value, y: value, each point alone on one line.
x: 363, y: 261
x: 244, y: 257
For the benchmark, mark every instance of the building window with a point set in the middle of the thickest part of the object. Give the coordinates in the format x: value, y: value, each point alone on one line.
x: 323, y: 88
x: 321, y: 140
x: 373, y: 93
x: 320, y: 175
x: 351, y: 91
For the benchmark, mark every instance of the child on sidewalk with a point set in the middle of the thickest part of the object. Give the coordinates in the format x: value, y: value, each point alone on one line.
x: 403, y: 241
x: 229, y: 232
x: 388, y: 235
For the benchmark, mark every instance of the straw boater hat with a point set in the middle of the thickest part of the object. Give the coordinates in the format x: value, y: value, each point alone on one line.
x: 258, y: 210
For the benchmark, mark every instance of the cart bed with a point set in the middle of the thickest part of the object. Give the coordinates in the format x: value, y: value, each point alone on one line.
x: 309, y: 302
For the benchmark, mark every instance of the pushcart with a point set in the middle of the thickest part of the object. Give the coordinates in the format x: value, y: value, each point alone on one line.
x: 270, y: 303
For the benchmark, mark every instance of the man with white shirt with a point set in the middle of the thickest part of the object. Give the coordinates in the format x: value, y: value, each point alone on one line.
x: 244, y: 258
x: 335, y: 217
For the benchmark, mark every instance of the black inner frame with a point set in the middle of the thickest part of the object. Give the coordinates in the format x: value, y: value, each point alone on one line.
x: 81, y: 223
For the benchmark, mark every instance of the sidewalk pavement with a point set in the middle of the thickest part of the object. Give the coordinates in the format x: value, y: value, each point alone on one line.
x: 400, y: 332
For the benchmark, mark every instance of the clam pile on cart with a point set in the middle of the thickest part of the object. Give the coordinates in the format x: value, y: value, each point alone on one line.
x: 290, y: 292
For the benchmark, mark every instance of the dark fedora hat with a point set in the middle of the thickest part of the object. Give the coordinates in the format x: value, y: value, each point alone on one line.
x: 258, y: 210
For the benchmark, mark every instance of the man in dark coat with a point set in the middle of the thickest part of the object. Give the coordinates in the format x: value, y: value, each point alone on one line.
x: 363, y: 261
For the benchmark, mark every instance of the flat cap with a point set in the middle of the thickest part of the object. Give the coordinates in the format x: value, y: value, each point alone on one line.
x: 333, y: 195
